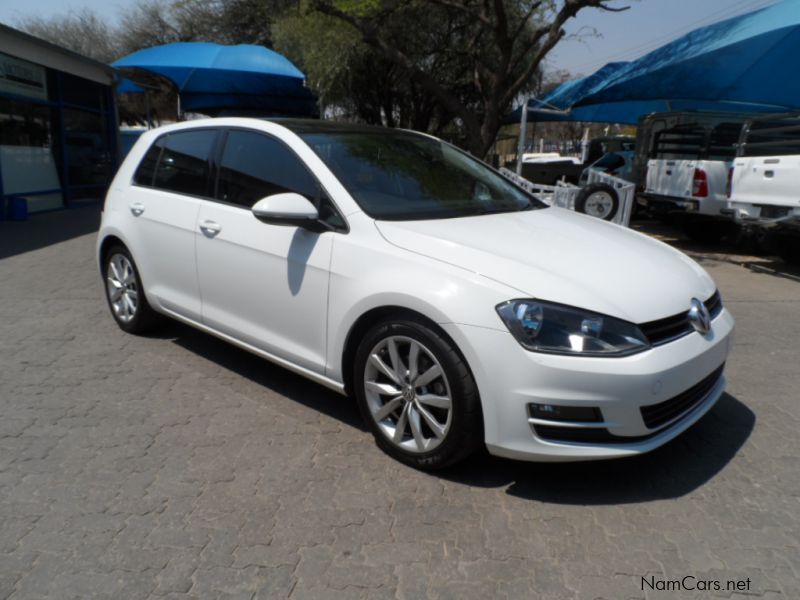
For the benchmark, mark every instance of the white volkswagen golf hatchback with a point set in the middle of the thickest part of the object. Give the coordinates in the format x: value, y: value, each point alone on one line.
x: 389, y: 265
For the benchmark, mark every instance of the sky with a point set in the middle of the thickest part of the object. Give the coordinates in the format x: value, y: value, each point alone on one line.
x: 646, y: 25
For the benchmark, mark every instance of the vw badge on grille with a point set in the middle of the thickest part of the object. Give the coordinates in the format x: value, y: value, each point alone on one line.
x: 699, y: 317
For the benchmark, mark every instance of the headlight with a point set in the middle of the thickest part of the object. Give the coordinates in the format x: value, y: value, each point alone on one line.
x: 553, y: 328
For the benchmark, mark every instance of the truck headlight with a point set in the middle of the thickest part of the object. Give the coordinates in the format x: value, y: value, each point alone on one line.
x: 557, y: 329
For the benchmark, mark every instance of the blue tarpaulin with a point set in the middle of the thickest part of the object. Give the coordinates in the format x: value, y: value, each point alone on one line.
x: 213, y: 77
x: 569, y: 92
x: 742, y: 64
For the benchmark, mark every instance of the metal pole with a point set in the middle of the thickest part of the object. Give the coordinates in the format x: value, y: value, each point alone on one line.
x: 2, y: 194
x: 523, y: 123
x: 147, y: 108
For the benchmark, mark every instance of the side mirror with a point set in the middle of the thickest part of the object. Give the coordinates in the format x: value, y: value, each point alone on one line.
x: 286, y: 209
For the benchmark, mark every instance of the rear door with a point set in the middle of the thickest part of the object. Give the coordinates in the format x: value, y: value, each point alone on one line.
x: 263, y: 284
x: 164, y: 202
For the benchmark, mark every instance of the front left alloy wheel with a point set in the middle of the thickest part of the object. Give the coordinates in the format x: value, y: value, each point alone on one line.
x: 417, y: 394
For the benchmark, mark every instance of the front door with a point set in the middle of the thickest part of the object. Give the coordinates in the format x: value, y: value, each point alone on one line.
x: 266, y: 285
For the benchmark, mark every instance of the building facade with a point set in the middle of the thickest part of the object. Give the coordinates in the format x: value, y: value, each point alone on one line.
x: 58, y: 126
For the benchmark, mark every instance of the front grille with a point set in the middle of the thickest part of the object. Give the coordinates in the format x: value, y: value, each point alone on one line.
x: 714, y: 305
x: 657, y: 415
x: 671, y: 328
x: 579, y: 435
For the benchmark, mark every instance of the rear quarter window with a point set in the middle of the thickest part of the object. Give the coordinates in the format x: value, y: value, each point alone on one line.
x: 146, y: 170
x: 184, y: 166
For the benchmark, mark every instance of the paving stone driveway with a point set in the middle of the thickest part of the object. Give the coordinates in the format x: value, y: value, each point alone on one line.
x: 176, y: 466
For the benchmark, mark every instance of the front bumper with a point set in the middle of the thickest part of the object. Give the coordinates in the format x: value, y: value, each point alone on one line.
x: 510, y: 378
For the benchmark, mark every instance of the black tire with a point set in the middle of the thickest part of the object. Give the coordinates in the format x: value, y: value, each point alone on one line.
x: 789, y: 249
x: 585, y: 198
x: 465, y: 433
x: 144, y: 318
x: 707, y: 231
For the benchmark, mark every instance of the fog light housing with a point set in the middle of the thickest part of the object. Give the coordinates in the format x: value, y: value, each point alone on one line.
x: 555, y: 412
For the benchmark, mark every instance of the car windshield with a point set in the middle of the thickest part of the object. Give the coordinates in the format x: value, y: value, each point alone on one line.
x: 402, y: 176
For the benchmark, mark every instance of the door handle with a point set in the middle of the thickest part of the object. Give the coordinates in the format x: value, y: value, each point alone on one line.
x: 210, y: 228
x: 137, y: 208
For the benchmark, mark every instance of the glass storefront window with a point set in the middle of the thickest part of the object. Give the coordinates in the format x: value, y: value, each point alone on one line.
x: 88, y: 153
x: 82, y: 92
x: 27, y: 158
x: 58, y: 143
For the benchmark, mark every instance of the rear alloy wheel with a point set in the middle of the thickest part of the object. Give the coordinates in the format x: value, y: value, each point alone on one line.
x: 598, y: 200
x: 417, y: 395
x: 124, y: 292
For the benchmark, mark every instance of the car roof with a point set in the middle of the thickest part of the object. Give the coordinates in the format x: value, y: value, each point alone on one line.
x: 311, y: 126
x: 298, y: 126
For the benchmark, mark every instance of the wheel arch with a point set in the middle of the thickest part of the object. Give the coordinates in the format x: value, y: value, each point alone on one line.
x: 108, y: 241
x: 375, y: 315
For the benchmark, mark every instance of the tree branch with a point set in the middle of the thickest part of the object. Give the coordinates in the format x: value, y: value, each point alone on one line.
x: 461, y: 6
x: 546, y: 37
x: 370, y: 36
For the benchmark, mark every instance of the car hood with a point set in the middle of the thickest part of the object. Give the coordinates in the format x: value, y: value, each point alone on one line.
x: 561, y: 256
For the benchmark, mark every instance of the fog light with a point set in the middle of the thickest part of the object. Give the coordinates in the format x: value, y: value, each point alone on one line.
x: 554, y: 412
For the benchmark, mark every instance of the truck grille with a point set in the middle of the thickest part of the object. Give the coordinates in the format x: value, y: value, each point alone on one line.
x: 671, y: 328
x: 657, y: 415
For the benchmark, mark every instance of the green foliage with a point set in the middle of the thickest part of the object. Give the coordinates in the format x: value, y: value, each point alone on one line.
x: 322, y: 47
x: 450, y: 67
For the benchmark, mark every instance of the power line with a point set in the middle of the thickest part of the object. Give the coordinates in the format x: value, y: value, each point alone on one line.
x: 719, y: 15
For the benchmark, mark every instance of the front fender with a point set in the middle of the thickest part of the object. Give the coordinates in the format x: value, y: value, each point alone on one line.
x: 398, y: 278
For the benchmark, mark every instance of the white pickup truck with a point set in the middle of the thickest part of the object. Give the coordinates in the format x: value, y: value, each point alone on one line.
x: 765, y: 182
x: 688, y: 174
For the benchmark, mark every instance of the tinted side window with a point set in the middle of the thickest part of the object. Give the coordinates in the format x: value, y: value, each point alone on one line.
x: 254, y: 165
x: 184, y: 164
x: 147, y: 168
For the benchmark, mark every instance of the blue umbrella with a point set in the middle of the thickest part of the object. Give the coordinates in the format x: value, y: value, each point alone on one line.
x: 213, y: 77
x: 745, y: 63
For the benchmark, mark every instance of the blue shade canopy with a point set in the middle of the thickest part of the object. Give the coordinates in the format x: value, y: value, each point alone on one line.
x: 126, y: 86
x: 213, y: 77
x: 738, y: 65
x: 747, y: 61
x: 555, y: 106
x: 569, y: 92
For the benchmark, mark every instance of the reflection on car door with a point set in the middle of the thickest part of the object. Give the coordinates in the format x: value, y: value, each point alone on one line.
x: 170, y: 181
x: 266, y: 285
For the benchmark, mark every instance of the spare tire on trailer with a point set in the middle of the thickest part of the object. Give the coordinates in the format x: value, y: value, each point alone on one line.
x: 598, y: 200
